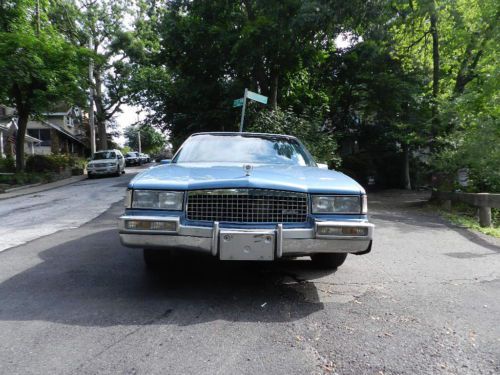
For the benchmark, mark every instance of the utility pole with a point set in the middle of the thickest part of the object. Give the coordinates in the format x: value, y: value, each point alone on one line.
x: 37, y: 16
x: 139, y: 139
x: 91, y: 101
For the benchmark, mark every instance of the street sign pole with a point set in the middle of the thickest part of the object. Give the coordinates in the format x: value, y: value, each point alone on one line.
x: 243, y: 110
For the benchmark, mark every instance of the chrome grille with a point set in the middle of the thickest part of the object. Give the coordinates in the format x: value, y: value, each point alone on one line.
x: 247, y: 206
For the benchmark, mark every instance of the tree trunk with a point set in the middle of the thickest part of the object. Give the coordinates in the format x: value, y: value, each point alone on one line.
x: 273, y: 90
x: 22, y: 124
x: 100, y: 112
x: 406, y: 167
x: 435, y: 72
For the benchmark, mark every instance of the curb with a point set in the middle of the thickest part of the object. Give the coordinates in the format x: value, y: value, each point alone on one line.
x: 35, y: 188
x: 22, y: 187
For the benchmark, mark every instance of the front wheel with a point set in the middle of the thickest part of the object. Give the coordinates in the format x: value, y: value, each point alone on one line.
x: 329, y: 260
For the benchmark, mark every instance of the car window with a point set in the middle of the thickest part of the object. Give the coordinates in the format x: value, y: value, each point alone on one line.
x: 104, y: 155
x: 212, y: 148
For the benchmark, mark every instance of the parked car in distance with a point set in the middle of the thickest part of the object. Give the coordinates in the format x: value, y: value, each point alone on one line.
x: 132, y: 158
x: 144, y: 158
x: 107, y: 162
x: 258, y: 197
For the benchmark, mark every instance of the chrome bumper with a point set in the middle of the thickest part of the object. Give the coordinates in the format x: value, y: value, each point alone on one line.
x: 289, y: 242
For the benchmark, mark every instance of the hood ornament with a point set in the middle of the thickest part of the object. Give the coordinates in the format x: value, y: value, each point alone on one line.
x: 247, y: 168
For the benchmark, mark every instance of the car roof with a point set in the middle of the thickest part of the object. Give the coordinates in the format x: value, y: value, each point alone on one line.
x: 251, y: 134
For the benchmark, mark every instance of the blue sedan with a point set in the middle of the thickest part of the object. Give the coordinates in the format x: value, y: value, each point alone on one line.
x: 246, y: 196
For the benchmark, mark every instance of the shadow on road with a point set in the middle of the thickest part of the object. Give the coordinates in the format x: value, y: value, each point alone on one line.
x: 94, y: 281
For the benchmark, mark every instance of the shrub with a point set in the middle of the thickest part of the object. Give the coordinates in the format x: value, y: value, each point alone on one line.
x: 309, y: 128
x: 41, y: 163
x: 7, y: 165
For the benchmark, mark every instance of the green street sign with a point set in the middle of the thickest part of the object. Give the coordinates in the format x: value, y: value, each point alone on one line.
x: 238, y: 103
x: 257, y: 97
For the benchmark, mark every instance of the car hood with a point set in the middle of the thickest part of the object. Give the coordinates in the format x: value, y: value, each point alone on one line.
x: 190, y: 176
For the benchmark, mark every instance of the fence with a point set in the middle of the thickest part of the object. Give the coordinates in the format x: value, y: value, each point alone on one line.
x: 483, y: 201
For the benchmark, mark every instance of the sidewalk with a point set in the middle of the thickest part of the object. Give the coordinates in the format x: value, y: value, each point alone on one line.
x: 26, y: 190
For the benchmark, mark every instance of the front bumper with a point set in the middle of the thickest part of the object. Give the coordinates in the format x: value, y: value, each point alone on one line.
x: 102, y: 170
x: 288, y: 241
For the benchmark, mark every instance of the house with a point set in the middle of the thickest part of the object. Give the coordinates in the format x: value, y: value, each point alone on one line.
x: 59, y: 131
x: 7, y: 140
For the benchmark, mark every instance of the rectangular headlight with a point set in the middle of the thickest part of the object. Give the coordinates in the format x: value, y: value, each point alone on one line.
x: 336, y: 204
x: 164, y: 226
x: 158, y: 199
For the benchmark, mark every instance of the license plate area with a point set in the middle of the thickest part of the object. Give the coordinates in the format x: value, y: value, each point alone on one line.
x: 251, y: 245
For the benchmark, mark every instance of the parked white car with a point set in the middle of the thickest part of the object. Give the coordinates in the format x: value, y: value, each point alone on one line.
x: 106, y: 162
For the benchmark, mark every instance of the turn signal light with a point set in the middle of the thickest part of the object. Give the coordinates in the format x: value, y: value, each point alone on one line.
x: 342, y: 231
x: 166, y: 226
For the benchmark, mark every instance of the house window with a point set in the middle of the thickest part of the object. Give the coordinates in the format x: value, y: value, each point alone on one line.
x: 68, y: 121
x: 41, y: 134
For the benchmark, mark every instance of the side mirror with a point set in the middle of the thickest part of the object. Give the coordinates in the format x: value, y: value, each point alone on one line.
x: 120, y: 157
x: 322, y: 165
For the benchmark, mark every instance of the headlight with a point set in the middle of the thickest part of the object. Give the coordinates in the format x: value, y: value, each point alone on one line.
x: 324, y: 204
x: 160, y: 200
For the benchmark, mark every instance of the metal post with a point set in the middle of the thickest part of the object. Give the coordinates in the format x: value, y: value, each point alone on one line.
x: 91, y: 101
x: 243, y: 110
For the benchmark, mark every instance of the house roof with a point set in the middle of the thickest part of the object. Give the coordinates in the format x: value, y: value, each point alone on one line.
x: 61, y: 130
x: 28, y: 138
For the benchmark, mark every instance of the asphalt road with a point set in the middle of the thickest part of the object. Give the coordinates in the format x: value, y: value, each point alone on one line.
x: 74, y: 301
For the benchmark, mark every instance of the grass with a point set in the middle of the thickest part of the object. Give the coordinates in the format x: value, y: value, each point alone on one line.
x: 465, y: 216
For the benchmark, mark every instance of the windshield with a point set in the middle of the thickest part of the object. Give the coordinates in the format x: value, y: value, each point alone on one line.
x: 210, y: 148
x: 131, y: 154
x: 104, y: 155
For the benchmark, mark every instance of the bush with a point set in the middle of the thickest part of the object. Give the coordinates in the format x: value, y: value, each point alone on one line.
x: 41, y: 163
x: 307, y: 127
x: 53, y: 163
x: 475, y: 148
x: 7, y: 165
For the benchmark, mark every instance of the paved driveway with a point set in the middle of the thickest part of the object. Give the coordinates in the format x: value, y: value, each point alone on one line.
x: 425, y: 301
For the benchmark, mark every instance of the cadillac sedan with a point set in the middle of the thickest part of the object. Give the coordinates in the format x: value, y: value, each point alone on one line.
x: 246, y: 196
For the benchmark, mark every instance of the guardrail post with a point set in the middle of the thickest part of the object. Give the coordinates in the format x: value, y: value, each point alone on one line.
x: 447, y: 205
x: 484, y: 211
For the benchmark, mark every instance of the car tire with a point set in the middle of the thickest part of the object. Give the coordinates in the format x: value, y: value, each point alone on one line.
x: 328, y: 261
x: 118, y: 172
x: 156, y: 259
x: 90, y: 176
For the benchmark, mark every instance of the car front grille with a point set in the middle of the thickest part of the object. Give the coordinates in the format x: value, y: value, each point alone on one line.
x: 247, y: 206
x: 100, y: 165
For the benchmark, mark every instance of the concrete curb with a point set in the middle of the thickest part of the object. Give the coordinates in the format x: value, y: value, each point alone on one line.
x: 35, y: 188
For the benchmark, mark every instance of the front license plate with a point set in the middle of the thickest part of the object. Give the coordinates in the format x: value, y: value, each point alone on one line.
x: 234, y: 245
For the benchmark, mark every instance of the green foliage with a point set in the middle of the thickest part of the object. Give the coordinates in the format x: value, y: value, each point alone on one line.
x: 476, y: 148
x: 52, y: 163
x: 7, y: 164
x: 39, y: 67
x: 309, y: 128
x: 465, y: 216
x: 151, y: 140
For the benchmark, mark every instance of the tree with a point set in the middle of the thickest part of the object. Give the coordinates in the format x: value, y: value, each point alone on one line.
x: 103, y: 22
x: 201, y: 55
x: 38, y: 66
x: 151, y: 140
